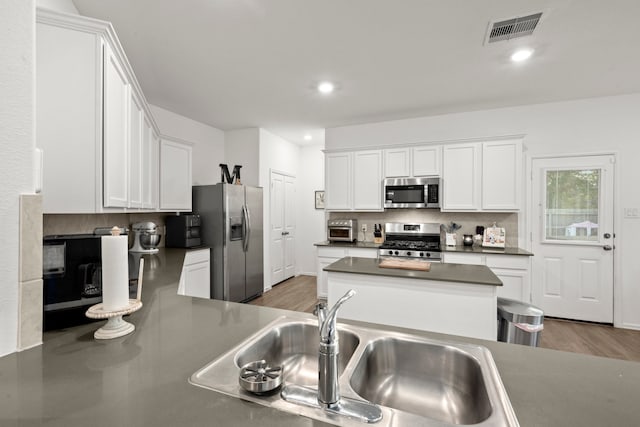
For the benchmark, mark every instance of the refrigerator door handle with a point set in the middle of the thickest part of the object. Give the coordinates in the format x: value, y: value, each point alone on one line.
x: 247, y: 227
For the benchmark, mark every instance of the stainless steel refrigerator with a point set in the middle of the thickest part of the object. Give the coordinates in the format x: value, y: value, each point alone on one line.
x: 231, y: 224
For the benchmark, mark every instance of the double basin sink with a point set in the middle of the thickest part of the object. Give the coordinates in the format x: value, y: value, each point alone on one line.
x: 415, y: 381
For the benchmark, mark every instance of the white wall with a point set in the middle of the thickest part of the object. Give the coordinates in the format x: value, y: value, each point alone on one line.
x: 279, y: 155
x: 311, y: 222
x: 584, y: 126
x: 17, y: 142
x: 242, y: 148
x: 208, y: 143
x: 66, y: 6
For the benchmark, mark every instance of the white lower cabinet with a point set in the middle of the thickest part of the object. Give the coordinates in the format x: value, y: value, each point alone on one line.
x: 195, y: 278
x: 328, y: 255
x: 513, y: 270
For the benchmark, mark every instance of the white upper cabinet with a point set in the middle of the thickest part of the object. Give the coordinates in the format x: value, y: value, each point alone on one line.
x: 406, y: 162
x: 425, y: 161
x: 367, y: 180
x: 136, y: 142
x: 150, y: 166
x: 397, y: 162
x: 353, y: 181
x: 482, y: 176
x: 69, y: 118
x: 91, y: 114
x: 175, y: 176
x: 116, y: 132
x: 501, y: 175
x: 461, y: 177
x: 338, y: 187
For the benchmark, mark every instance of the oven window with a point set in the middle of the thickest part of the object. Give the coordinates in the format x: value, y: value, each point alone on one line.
x: 339, y: 233
x: 405, y: 194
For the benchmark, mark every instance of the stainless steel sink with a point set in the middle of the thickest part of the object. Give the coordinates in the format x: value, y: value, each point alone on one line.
x: 415, y: 381
x: 295, y: 347
x: 431, y: 380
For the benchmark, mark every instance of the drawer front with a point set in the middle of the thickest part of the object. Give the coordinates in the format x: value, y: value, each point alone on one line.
x: 508, y: 261
x: 474, y: 259
x: 331, y: 252
x: 363, y: 252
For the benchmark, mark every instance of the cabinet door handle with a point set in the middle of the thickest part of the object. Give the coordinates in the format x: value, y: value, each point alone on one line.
x: 607, y: 247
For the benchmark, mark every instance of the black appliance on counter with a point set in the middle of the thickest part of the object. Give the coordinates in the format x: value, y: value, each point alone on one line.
x: 72, y: 278
x: 411, y: 241
x: 183, y: 231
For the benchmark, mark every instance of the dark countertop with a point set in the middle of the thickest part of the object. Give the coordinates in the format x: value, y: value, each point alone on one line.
x: 482, y: 250
x: 141, y: 379
x: 368, y: 245
x: 446, y: 272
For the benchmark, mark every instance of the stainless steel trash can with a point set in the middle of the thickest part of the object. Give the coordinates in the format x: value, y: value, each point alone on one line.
x: 519, y: 322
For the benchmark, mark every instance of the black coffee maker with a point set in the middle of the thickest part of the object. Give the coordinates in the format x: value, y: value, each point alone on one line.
x: 183, y: 231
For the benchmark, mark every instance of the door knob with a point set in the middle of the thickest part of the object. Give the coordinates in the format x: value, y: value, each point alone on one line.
x: 607, y: 235
x: 607, y: 247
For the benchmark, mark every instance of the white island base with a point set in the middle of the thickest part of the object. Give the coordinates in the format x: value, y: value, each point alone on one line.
x: 464, y: 309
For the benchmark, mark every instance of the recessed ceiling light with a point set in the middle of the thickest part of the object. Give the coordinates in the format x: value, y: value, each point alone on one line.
x: 307, y: 137
x: 326, y: 87
x: 521, y: 55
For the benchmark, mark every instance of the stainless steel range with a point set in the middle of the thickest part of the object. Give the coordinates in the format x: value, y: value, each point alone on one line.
x: 411, y: 241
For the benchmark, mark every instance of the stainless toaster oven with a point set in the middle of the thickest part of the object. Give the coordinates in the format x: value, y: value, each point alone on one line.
x: 342, y: 230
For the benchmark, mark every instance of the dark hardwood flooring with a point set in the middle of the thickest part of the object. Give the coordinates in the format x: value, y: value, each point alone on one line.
x: 299, y: 294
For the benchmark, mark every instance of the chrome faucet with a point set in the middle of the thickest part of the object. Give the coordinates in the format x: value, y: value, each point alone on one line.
x: 327, y: 397
x: 328, y: 390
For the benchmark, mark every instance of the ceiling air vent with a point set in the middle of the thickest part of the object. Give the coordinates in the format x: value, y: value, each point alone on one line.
x: 512, y: 28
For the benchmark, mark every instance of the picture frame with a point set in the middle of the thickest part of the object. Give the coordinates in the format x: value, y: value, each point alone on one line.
x: 319, y: 198
x: 494, y: 237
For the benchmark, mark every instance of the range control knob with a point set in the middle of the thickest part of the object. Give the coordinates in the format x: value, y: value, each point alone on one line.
x: 421, y: 253
x: 390, y: 252
x: 428, y: 254
x: 396, y: 252
x: 408, y: 253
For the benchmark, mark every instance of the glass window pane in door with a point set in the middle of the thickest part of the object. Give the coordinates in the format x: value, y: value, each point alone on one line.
x: 571, y: 205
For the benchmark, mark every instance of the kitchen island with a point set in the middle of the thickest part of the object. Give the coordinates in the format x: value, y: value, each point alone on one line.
x: 141, y: 379
x: 458, y: 299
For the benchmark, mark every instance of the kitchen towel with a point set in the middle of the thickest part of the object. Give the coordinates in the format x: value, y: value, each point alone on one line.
x: 115, y: 273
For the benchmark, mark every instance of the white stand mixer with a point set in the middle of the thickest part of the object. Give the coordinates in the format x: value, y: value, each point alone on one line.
x: 145, y: 238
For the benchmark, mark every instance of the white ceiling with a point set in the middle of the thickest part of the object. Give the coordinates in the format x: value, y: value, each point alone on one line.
x: 254, y: 63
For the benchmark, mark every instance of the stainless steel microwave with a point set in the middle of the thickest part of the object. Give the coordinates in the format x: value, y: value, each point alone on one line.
x: 412, y: 193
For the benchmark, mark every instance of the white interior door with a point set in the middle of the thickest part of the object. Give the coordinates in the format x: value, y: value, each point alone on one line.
x: 572, y: 237
x: 289, y: 227
x: 277, y: 228
x: 283, y: 227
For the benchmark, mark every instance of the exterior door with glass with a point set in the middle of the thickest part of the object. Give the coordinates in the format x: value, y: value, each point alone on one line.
x: 573, y: 237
